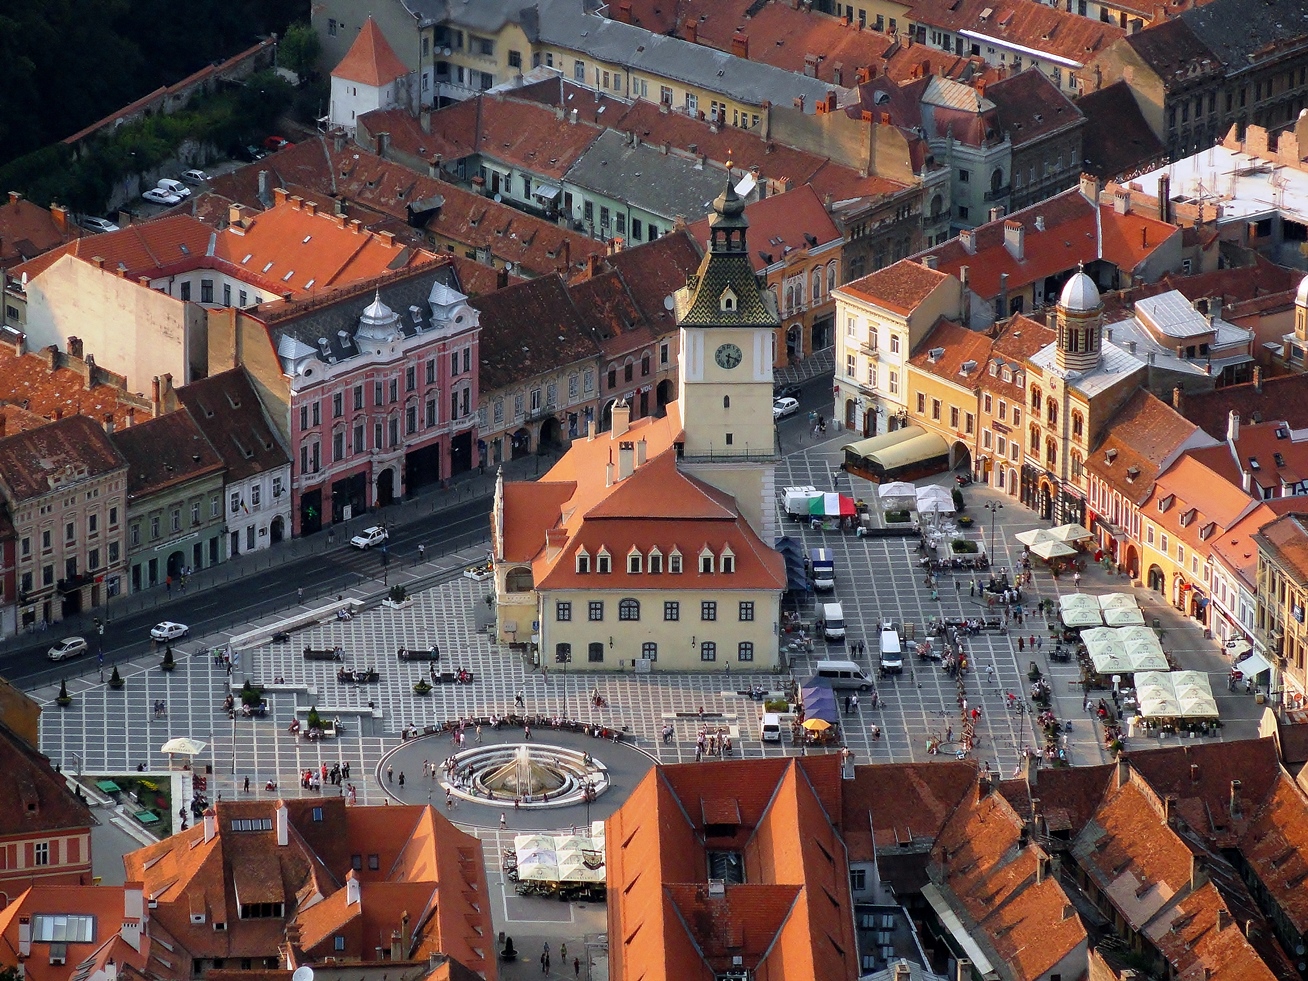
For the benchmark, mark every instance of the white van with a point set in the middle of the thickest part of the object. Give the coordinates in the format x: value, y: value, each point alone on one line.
x: 892, y: 651
x: 770, y: 727
x: 843, y: 674
x: 833, y: 621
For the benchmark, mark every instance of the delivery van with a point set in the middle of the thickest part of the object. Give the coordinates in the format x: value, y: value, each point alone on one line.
x: 843, y: 674
x: 892, y: 650
x: 770, y: 727
x: 795, y: 500
x: 833, y: 621
x: 822, y: 561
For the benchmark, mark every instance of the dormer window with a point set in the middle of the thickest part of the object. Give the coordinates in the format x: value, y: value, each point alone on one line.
x: 674, y: 563
x: 1110, y: 456
x: 1206, y: 532
x: 603, y: 562
x: 1188, y: 516
x: 728, y: 300
x: 583, y: 561
x: 728, y: 561
x: 634, y: 562
x: 1165, y: 502
x: 706, y: 560
x: 655, y: 562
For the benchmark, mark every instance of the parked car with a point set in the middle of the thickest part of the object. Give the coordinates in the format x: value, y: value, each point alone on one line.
x: 195, y: 177
x: 784, y: 407
x: 176, y: 187
x: 169, y: 631
x: 370, y: 537
x: 157, y: 195
x: 253, y: 153
x: 66, y: 648
x: 94, y: 224
x: 786, y: 390
x: 275, y: 143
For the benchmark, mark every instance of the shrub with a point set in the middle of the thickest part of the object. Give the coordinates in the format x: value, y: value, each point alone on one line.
x: 251, y: 695
x: 964, y: 545
x: 63, y: 698
x: 314, y: 721
x: 115, y: 679
x: 421, y: 687
x: 959, y: 503
x: 896, y: 517
x: 168, y: 662
x: 398, y: 594
x: 776, y: 705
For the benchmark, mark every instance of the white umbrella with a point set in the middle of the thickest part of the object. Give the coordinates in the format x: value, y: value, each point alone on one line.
x: 183, y: 746
x: 1121, y: 617
x: 1035, y: 536
x: 1118, y: 601
x: 934, y: 498
x: 1052, y: 550
x: 1077, y: 601
x: 897, y: 488
x: 1070, y: 533
x: 1156, y: 695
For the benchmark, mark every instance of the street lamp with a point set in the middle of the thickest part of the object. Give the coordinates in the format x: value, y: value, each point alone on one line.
x: 994, y: 507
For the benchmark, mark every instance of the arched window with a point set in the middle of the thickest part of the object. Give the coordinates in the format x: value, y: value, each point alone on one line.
x: 726, y: 401
x: 1076, y: 465
x: 817, y: 284
x: 1051, y: 412
x: 1051, y: 453
x: 937, y: 206
x: 790, y: 298
x: 629, y: 609
x: 1035, y: 400
x: 519, y: 580
x: 997, y: 179
x: 1035, y: 438
x: 1078, y: 425
x: 831, y: 275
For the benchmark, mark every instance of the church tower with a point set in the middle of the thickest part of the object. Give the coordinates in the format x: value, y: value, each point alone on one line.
x: 728, y: 326
x: 1080, y: 314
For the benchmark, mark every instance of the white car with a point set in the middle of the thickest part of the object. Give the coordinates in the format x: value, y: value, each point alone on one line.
x: 370, y: 537
x: 195, y: 177
x: 66, y: 648
x: 175, y: 187
x: 157, y: 195
x: 93, y: 224
x: 169, y: 631
x: 784, y: 407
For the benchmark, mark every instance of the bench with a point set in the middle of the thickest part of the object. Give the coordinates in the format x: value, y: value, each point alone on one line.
x: 262, y: 635
x: 324, y: 654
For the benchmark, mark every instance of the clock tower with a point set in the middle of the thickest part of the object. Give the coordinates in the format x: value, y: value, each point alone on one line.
x: 728, y: 326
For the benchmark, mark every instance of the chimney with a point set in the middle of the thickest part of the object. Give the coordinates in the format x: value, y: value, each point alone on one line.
x: 283, y: 824
x: 501, y: 277
x: 901, y: 972
x: 967, y: 238
x: 24, y: 936
x: 1224, y: 918
x: 1090, y: 187
x: 740, y: 45
x: 14, y: 197
x: 1235, y: 800
x: 1003, y: 293
x: 640, y: 453
x: 1015, y: 239
x: 280, y: 194
x: 1144, y: 237
x: 621, y: 11
x: 931, y: 262
x: 1123, y: 770
x: 1178, y: 399
x: 60, y: 215
x: 338, y: 140
x: 592, y: 265
x: 134, y: 900
x: 263, y: 188
x: 626, y: 459
x: 235, y: 215
x: 1165, y: 198
x: 608, y: 475
x: 352, y: 888
x: 983, y: 786
x: 965, y: 969
x: 1122, y: 201
x: 1042, y: 868
x: 210, y: 824
x: 74, y: 345
x: 1198, y: 874
x: 997, y: 213
x: 572, y: 117
x: 424, y: 119
x: 621, y: 419
x: 1246, y: 481
x: 383, y: 144
x: 1257, y: 378
x: 1233, y: 426
x: 397, y: 946
x: 964, y: 295
x: 691, y: 31
x: 1194, y: 772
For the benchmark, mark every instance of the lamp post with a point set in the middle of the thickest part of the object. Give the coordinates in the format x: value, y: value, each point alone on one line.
x: 994, y: 507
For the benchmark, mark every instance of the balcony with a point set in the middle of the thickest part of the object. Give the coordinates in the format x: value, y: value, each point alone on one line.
x: 66, y: 586
x: 999, y: 193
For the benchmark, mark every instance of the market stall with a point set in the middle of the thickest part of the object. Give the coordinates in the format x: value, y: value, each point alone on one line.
x: 831, y: 511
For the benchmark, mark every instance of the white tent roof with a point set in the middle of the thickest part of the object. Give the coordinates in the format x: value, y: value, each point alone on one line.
x: 1079, y: 610
x: 897, y: 488
x: 1118, y: 601
x: 560, y: 858
x: 1175, y: 694
x: 1053, y: 549
x: 1113, y: 653
x: 933, y: 497
x: 1034, y: 536
x: 1122, y: 617
x: 1070, y: 533
x: 1253, y: 665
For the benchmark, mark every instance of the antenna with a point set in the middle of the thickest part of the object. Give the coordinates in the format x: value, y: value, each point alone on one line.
x: 303, y: 974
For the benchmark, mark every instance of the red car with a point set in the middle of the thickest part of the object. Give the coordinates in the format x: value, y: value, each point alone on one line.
x: 276, y: 143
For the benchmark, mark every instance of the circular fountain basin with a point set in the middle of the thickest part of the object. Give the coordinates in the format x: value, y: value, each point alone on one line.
x: 524, y: 775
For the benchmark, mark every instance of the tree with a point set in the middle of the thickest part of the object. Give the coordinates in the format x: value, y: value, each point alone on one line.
x: 299, y: 50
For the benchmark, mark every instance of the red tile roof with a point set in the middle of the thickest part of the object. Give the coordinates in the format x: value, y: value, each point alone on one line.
x: 1072, y: 235
x: 370, y: 60
x: 885, y: 807
x: 528, y: 329
x: 1031, y: 107
x: 165, y: 452
x: 228, y: 411
x: 780, y: 225
x: 36, y: 799
x: 27, y: 230
x: 137, y: 250
x: 1022, y: 22
x: 1284, y: 398
x: 1142, y: 438
x: 958, y: 346
x: 1285, y: 540
x: 1117, y: 142
x: 899, y: 287
x: 29, y: 380
x: 106, y: 905
x: 28, y: 459
x: 1276, y: 845
x: 653, y: 272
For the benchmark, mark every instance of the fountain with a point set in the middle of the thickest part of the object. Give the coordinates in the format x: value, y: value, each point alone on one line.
x: 535, y: 775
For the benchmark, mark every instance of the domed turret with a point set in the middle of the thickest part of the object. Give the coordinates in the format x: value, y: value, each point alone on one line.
x: 1080, y: 295
x: 378, y: 323
x: 1301, y: 298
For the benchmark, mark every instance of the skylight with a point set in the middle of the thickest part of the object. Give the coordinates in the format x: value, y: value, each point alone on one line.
x: 267, y: 267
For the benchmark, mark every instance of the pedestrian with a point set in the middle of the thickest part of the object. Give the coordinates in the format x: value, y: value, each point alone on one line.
x: 168, y: 584
x: 545, y: 962
x: 247, y: 785
x: 1021, y: 644
x: 422, y: 553
x: 958, y: 585
x: 990, y: 672
x: 1076, y: 580
x: 299, y: 595
x: 1040, y: 643
x: 846, y: 704
x: 576, y: 967
x: 390, y: 774
x: 853, y: 701
x: 971, y: 590
x: 526, y: 732
x: 504, y: 821
x: 563, y: 948
x: 401, y: 778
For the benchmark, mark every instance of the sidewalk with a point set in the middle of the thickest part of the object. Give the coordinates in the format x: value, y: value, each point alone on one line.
x: 798, y: 372
x: 466, y: 487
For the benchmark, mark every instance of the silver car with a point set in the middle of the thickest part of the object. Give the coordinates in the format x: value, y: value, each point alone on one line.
x: 66, y: 648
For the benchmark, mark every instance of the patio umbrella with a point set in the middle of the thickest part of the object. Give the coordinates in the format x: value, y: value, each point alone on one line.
x: 897, y: 488
x: 183, y: 746
x: 1035, y: 536
x: 1156, y: 695
x: 933, y: 497
x: 1081, y: 616
x: 1121, y: 617
x: 1071, y: 533
x: 1052, y: 550
x: 817, y: 725
x: 1118, y: 601
x: 1194, y: 695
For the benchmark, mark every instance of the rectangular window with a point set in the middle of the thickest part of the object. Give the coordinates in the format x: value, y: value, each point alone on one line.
x: 708, y: 651
x: 186, y: 291
x: 746, y: 611
x: 579, y: 71
x: 745, y: 652
x: 635, y: 229
x: 563, y: 612
x: 921, y: 403
x: 206, y: 291
x: 708, y: 610
x: 671, y: 611
x: 935, y: 409
x: 595, y: 611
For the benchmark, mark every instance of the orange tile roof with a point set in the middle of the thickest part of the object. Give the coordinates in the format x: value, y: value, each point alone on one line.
x: 985, y: 871
x: 779, y: 225
x: 28, y: 380
x: 75, y: 441
x: 1286, y: 541
x: 1140, y: 439
x: 27, y: 230
x: 899, y: 287
x: 106, y: 905
x: 1022, y: 22
x: 370, y: 60
x: 1276, y: 845
x: 886, y: 806
x: 137, y: 250
x: 1236, y: 548
x: 1202, y: 497
x: 1072, y: 235
x: 960, y: 346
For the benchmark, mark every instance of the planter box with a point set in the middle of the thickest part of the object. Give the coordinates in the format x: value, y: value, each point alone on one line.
x: 391, y: 604
x: 477, y: 574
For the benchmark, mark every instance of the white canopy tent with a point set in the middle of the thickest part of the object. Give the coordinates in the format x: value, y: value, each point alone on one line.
x: 1118, y: 601
x: 1071, y: 533
x: 1034, y: 536
x: 559, y: 858
x: 897, y: 488
x: 1053, y: 549
x: 933, y: 497
x: 1253, y: 665
x: 1123, y: 617
x: 1079, y: 610
x: 1175, y: 695
x: 1111, y: 653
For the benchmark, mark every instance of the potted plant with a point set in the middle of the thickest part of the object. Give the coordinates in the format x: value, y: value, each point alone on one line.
x: 251, y: 695
x: 959, y: 503
x: 421, y: 687
x: 398, y: 598
x: 168, y: 662
x: 115, y: 679
x: 314, y: 720
x: 966, y: 521
x: 63, y: 698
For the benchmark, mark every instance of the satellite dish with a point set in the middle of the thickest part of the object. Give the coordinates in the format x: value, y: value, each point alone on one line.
x: 499, y: 198
x: 303, y: 974
x: 668, y: 302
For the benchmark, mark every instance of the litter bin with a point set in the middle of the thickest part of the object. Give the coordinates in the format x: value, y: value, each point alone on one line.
x: 1157, y: 623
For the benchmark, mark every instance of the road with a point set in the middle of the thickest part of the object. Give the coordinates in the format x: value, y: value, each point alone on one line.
x: 259, y: 594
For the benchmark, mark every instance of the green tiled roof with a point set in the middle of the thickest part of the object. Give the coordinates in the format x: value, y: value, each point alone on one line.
x: 699, y: 301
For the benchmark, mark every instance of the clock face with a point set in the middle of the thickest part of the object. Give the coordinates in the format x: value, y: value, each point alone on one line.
x: 728, y: 356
